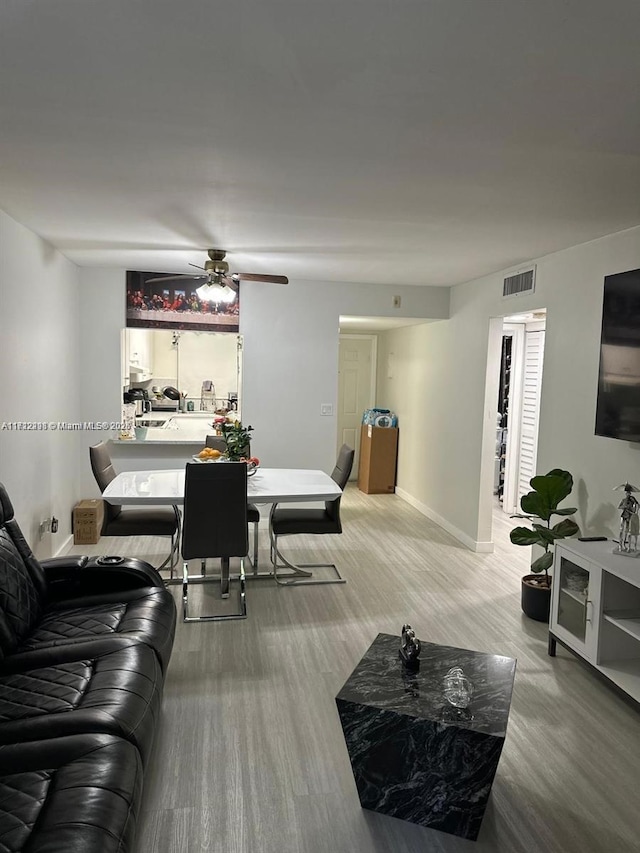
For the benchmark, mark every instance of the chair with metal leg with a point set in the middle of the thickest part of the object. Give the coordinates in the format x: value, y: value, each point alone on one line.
x: 253, y: 513
x: 286, y: 522
x: 215, y: 526
x: 118, y: 521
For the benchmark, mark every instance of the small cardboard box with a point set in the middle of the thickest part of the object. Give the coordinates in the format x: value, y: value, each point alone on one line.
x: 88, y: 517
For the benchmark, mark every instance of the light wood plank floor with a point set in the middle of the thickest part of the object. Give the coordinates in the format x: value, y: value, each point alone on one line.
x: 249, y: 755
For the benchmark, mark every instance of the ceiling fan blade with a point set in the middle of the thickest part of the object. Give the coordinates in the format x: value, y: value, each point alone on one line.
x: 272, y: 279
x: 175, y: 278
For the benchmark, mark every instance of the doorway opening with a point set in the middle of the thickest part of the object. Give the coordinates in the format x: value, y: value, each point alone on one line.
x: 520, y: 342
x: 356, y: 389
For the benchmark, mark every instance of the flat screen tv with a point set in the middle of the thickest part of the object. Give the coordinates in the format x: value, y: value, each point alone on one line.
x: 618, y: 406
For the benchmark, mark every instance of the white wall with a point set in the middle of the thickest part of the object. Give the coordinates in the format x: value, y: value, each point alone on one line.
x: 438, y: 391
x: 198, y: 356
x: 40, y: 332
x: 290, y: 359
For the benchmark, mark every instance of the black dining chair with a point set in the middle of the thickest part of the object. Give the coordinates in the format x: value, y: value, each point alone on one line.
x: 289, y: 521
x: 214, y: 525
x: 253, y: 513
x: 120, y: 521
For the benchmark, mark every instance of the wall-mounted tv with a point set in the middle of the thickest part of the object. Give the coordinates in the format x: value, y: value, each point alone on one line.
x: 157, y: 300
x: 618, y: 407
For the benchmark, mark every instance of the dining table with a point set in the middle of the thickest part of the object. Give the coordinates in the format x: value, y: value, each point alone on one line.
x: 264, y: 486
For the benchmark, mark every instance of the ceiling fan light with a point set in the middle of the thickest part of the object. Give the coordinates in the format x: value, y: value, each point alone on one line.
x: 228, y: 293
x: 212, y: 292
x: 206, y: 292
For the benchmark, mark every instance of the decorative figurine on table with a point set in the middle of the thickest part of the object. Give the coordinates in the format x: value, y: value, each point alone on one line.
x: 629, y: 521
x: 410, y: 648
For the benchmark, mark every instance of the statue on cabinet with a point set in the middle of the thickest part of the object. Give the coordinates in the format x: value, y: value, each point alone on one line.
x: 629, y: 520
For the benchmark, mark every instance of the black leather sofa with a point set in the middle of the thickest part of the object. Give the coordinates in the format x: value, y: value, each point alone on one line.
x: 84, y: 646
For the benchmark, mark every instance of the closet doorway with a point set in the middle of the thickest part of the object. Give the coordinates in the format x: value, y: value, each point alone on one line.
x: 518, y: 407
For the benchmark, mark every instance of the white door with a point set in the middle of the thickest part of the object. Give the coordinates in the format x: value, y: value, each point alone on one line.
x: 527, y: 353
x: 356, y: 389
x: 530, y: 412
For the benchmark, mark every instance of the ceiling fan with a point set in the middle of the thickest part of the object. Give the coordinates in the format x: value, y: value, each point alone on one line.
x: 217, y: 284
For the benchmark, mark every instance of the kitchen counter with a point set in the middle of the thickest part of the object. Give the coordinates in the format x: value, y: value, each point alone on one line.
x: 171, y: 445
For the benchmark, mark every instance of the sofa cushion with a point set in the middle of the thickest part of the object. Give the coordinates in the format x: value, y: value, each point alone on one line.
x: 128, y: 598
x: 148, y: 614
x: 77, y: 794
x: 84, y: 690
x: 21, y: 601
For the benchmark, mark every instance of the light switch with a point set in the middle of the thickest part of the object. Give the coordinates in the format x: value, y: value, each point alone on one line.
x: 326, y: 408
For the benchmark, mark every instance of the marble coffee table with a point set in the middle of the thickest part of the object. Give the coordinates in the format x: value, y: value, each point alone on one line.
x: 413, y: 755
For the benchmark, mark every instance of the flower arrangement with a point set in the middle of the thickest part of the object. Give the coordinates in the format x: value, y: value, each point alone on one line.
x: 238, y: 439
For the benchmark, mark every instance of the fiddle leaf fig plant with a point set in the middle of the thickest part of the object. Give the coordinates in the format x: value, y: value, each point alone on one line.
x: 539, y: 506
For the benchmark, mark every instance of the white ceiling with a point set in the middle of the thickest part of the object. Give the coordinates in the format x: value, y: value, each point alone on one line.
x: 413, y: 142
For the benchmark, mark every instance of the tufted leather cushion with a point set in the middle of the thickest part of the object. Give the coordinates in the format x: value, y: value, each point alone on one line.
x: 20, y: 598
x: 148, y: 614
x: 85, y: 690
x: 77, y: 794
x: 32, y: 617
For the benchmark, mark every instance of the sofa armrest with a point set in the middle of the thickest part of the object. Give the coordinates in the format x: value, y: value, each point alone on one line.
x: 54, y: 564
x: 73, y: 577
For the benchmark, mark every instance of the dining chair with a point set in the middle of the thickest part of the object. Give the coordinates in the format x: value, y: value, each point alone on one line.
x: 214, y: 525
x: 253, y: 513
x: 120, y: 521
x: 290, y: 521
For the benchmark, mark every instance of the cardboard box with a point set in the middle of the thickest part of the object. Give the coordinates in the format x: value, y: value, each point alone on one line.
x: 378, y: 459
x: 88, y: 517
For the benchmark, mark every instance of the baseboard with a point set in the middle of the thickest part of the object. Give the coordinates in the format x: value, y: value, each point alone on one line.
x: 473, y: 544
x: 62, y: 550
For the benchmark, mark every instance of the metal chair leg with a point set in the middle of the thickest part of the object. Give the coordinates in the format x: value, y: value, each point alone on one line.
x: 255, y: 546
x: 297, y: 574
x: 224, y: 586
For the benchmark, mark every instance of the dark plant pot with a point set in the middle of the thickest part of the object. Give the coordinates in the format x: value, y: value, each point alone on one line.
x: 536, y: 597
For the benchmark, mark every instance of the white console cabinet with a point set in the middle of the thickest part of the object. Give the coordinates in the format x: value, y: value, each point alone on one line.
x: 595, y: 610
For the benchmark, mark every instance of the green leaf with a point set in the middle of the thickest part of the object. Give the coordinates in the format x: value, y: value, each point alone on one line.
x: 567, y: 511
x: 550, y: 489
x: 525, y: 536
x: 564, y: 475
x: 542, y: 563
x: 546, y: 534
x: 564, y: 528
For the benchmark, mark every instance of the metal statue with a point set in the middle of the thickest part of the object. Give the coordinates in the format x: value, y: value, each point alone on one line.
x: 410, y: 648
x: 629, y: 520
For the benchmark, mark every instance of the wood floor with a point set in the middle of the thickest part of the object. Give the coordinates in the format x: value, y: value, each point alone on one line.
x: 249, y: 756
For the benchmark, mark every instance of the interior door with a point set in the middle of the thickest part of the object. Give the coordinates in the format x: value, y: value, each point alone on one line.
x: 530, y: 411
x: 356, y: 389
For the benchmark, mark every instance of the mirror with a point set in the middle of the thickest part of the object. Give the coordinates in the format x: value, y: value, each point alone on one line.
x: 205, y: 367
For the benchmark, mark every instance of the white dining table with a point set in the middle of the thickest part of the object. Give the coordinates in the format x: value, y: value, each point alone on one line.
x: 266, y: 486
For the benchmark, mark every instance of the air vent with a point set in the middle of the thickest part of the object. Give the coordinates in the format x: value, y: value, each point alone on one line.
x: 521, y: 282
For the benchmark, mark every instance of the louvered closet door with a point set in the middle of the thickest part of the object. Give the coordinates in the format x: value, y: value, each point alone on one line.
x: 532, y: 382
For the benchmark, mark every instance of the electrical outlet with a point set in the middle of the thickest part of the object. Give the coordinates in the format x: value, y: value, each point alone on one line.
x: 397, y: 301
x: 54, y: 524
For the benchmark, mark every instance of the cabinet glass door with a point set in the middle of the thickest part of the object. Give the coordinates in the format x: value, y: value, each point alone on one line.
x: 573, y: 598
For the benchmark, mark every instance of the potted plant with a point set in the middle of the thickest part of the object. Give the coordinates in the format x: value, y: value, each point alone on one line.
x: 238, y: 438
x: 539, y: 506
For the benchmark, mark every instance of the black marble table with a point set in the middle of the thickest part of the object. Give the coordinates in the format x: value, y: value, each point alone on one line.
x: 413, y: 755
